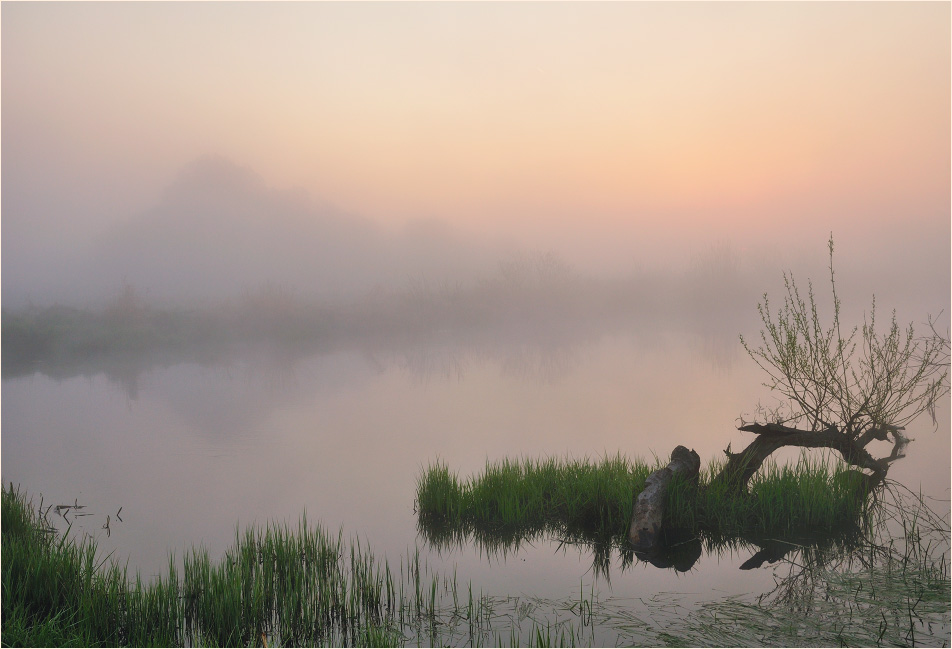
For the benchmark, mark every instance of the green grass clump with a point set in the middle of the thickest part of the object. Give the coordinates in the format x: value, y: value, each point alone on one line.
x: 282, y: 586
x: 512, y: 500
x: 276, y: 586
x: 811, y: 496
x: 579, y: 499
x: 54, y: 590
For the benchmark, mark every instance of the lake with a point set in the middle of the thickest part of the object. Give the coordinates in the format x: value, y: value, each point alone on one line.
x: 190, y: 451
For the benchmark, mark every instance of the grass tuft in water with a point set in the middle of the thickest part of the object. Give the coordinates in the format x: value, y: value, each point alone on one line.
x: 511, y: 501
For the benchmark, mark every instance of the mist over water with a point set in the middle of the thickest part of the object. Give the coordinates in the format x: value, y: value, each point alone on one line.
x: 217, y: 231
x: 262, y: 259
x: 197, y: 152
x: 225, y: 274
x: 236, y: 354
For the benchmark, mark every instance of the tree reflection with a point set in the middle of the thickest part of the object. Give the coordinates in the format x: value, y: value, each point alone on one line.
x: 533, y: 315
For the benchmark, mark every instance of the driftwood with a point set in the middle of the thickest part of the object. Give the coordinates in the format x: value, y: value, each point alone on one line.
x: 645, y: 532
x: 742, y: 466
x: 650, y: 540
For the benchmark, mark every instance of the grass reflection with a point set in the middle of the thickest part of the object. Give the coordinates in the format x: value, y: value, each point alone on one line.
x: 283, y: 586
x: 586, y: 503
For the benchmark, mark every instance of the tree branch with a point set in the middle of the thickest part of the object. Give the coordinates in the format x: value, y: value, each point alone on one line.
x: 742, y: 466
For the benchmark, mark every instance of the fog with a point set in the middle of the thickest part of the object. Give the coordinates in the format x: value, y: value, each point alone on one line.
x: 266, y: 258
x: 217, y: 231
x: 200, y: 153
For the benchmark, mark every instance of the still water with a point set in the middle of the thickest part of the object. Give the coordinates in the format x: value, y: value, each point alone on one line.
x: 190, y: 451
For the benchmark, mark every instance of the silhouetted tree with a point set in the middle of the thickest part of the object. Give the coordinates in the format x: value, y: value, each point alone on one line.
x: 843, y: 390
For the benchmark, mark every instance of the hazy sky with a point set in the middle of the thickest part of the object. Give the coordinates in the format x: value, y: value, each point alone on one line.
x: 587, y: 124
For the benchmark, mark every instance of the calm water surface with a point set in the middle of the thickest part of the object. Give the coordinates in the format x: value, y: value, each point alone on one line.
x: 189, y: 452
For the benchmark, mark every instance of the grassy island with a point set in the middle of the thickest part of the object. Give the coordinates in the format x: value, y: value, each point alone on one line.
x: 593, y: 500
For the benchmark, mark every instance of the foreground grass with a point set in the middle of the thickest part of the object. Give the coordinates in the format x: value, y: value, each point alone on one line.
x: 303, y: 586
x: 592, y: 501
x: 276, y: 585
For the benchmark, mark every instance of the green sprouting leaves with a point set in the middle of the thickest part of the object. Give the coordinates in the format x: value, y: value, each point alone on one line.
x: 860, y: 379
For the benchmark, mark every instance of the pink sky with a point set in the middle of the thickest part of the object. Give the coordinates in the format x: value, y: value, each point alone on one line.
x: 531, y: 119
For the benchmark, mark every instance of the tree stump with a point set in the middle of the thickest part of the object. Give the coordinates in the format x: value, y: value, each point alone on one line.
x: 648, y: 512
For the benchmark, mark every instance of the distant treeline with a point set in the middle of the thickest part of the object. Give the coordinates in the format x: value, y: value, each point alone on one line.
x: 528, y: 297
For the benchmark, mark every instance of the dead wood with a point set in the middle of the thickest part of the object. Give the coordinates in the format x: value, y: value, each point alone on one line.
x: 648, y: 512
x: 742, y: 466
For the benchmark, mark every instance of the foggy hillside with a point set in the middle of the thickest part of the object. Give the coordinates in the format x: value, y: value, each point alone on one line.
x: 218, y: 230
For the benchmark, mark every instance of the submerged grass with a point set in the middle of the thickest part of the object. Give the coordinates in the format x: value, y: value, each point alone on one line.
x: 514, y: 500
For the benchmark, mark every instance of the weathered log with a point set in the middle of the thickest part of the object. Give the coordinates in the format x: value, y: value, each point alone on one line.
x: 648, y: 512
x: 742, y: 466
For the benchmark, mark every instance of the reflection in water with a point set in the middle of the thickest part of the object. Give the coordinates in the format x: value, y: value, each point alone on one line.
x: 535, y: 361
x: 887, y: 587
x: 539, y: 349
x: 720, y: 349
x: 425, y: 364
x: 681, y: 551
x: 532, y: 359
x: 892, y: 512
x: 223, y: 433
x: 544, y: 365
